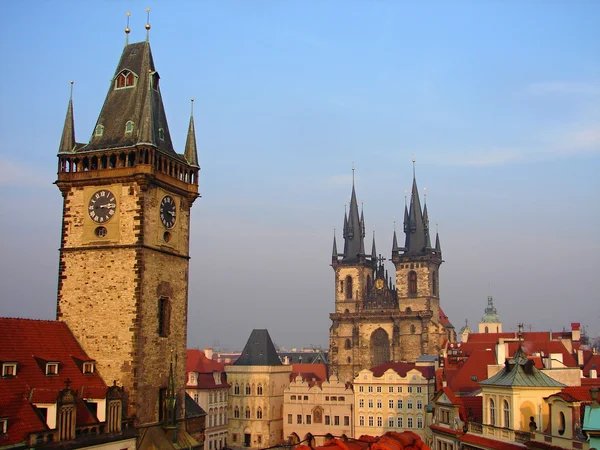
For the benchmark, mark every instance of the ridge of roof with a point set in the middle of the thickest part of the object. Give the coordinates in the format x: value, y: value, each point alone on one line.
x: 259, y: 351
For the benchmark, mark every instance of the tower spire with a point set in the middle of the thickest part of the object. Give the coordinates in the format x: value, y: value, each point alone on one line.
x: 334, y: 252
x: 147, y: 24
x: 354, y: 233
x: 414, y: 226
x: 373, y: 249
x: 67, y: 140
x: 191, y: 150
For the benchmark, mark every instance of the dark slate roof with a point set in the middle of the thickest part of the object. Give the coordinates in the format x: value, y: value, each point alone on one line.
x: 415, y: 226
x: 259, y: 351
x: 354, y: 232
x: 521, y: 371
x: 191, y: 150
x: 192, y: 409
x: 141, y: 104
x: 67, y: 140
x: 319, y: 357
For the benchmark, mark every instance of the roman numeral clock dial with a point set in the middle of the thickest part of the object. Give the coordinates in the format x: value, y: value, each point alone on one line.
x: 102, y: 206
x: 168, y: 211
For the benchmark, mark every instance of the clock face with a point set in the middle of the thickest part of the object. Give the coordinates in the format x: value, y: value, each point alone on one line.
x: 168, y: 211
x: 379, y: 283
x: 102, y: 206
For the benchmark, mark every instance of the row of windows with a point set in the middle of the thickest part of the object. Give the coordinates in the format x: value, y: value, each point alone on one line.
x: 393, y: 422
x: 308, y: 419
x: 129, y: 126
x: 217, y: 397
x: 506, y: 409
x: 247, y: 390
x: 409, y: 389
x: 9, y: 369
x: 346, y: 285
x: 247, y: 413
x: 399, y: 403
x: 214, y: 420
x: 332, y: 398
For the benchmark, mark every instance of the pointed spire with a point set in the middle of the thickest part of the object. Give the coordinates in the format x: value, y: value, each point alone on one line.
x: 373, y: 249
x: 395, y: 243
x: 354, y: 246
x: 191, y: 151
x: 416, y: 239
x: 334, y: 253
x: 147, y: 135
x: 438, y: 247
x: 67, y: 140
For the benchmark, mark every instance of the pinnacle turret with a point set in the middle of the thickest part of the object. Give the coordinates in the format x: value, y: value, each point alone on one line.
x: 67, y: 141
x: 354, y: 232
x: 191, y: 151
x: 373, y: 250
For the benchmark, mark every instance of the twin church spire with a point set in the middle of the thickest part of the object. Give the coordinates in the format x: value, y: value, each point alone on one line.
x: 416, y: 229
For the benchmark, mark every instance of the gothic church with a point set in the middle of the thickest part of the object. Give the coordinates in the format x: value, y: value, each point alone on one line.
x: 377, y: 320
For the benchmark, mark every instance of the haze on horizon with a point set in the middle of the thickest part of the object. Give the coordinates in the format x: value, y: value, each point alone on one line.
x: 499, y: 103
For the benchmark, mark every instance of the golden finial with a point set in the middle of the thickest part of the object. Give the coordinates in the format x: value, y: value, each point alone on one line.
x: 147, y: 24
x: 127, y: 29
x: 72, y: 83
x: 414, y: 160
x: 192, y: 100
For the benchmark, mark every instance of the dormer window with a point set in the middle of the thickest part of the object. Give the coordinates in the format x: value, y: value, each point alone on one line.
x: 88, y: 367
x: 99, y: 130
x: 155, y: 78
x: 126, y: 79
x: 161, y: 134
x: 9, y: 369
x: 3, y: 425
x: 52, y: 368
x: 129, y: 127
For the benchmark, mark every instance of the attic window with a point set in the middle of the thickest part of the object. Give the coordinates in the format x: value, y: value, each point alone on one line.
x: 52, y: 368
x: 129, y: 127
x: 125, y: 79
x: 155, y: 78
x: 88, y: 367
x: 161, y: 134
x: 3, y: 425
x: 9, y: 369
x: 99, y: 130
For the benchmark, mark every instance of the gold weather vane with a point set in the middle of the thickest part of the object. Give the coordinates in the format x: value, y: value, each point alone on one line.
x: 147, y: 24
x: 127, y: 29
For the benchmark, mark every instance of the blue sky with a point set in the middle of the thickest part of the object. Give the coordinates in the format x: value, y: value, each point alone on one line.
x: 498, y: 101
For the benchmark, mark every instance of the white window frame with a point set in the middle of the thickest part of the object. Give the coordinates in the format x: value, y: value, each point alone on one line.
x: 9, y: 365
x: 52, y: 368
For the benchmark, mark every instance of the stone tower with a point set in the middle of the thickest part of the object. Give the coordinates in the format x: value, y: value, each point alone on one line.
x: 375, y: 319
x: 124, y: 253
x: 490, y: 322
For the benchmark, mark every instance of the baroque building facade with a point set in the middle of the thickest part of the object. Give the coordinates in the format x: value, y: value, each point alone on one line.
x: 124, y: 253
x: 377, y: 319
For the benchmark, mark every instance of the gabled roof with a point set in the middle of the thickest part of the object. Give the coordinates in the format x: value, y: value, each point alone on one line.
x: 198, y: 362
x: 576, y: 393
x: 466, y: 377
x: 309, y: 372
x: 543, y: 346
x: 521, y: 371
x: 32, y: 343
x: 192, y: 409
x: 402, y: 368
x: 444, y: 320
x: 142, y: 104
x: 259, y: 351
x: 589, y: 365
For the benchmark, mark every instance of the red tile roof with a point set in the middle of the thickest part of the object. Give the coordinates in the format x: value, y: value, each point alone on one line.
x: 444, y: 319
x: 466, y: 379
x: 493, y: 337
x: 198, y: 362
x: 543, y: 346
x: 402, y: 368
x: 471, y: 408
x: 309, y: 372
x: 490, y: 443
x: 32, y: 343
x: 594, y: 360
x: 577, y: 393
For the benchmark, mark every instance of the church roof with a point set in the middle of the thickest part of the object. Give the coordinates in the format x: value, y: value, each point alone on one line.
x: 259, y: 351
x: 491, y: 315
x: 137, y: 99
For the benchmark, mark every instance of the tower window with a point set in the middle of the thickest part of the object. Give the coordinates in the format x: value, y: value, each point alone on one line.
x: 125, y: 79
x: 129, y: 127
x: 99, y: 130
x: 155, y: 78
x: 413, y: 329
x: 347, y: 344
x: 434, y: 283
x: 492, y: 412
x: 412, y: 283
x: 348, y: 287
x: 164, y: 311
x: 161, y: 134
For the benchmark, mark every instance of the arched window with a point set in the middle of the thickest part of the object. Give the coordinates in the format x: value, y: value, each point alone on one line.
x: 561, y: 423
x: 99, y: 130
x: 236, y: 413
x: 161, y: 134
x: 348, y: 287
x: 347, y: 344
x: 413, y: 329
x: 434, y: 283
x: 236, y: 389
x: 487, y: 330
x: 259, y: 413
x: 247, y: 412
x: 412, y: 283
x: 348, y: 360
x: 341, y: 286
x: 129, y: 127
x: 492, y: 412
x: 506, y: 414
x: 125, y: 79
x: 380, y: 347
x: 259, y: 390
x: 248, y: 391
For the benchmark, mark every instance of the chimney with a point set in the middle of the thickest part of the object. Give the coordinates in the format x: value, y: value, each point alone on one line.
x: 593, y: 373
x: 500, y: 351
x: 575, y: 331
x: 208, y: 352
x: 580, y: 360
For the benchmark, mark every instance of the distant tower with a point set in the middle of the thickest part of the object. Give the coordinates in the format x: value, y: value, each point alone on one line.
x: 490, y: 322
x: 377, y: 320
x: 124, y: 253
x: 464, y: 332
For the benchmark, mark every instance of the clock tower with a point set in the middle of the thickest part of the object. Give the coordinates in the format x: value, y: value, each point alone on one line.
x: 124, y: 252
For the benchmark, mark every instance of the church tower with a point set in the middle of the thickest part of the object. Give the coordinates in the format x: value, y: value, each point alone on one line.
x: 377, y: 320
x: 124, y: 253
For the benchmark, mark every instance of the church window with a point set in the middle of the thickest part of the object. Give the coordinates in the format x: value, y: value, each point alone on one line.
x: 412, y: 283
x: 236, y: 389
x: 99, y: 130
x: 247, y: 412
x: 248, y: 390
x: 259, y: 390
x: 507, y: 415
x: 347, y: 344
x: 125, y: 79
x: 164, y: 311
x: 236, y: 413
x: 348, y: 287
x: 129, y: 127
x: 492, y: 412
x: 380, y: 347
x: 259, y: 413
